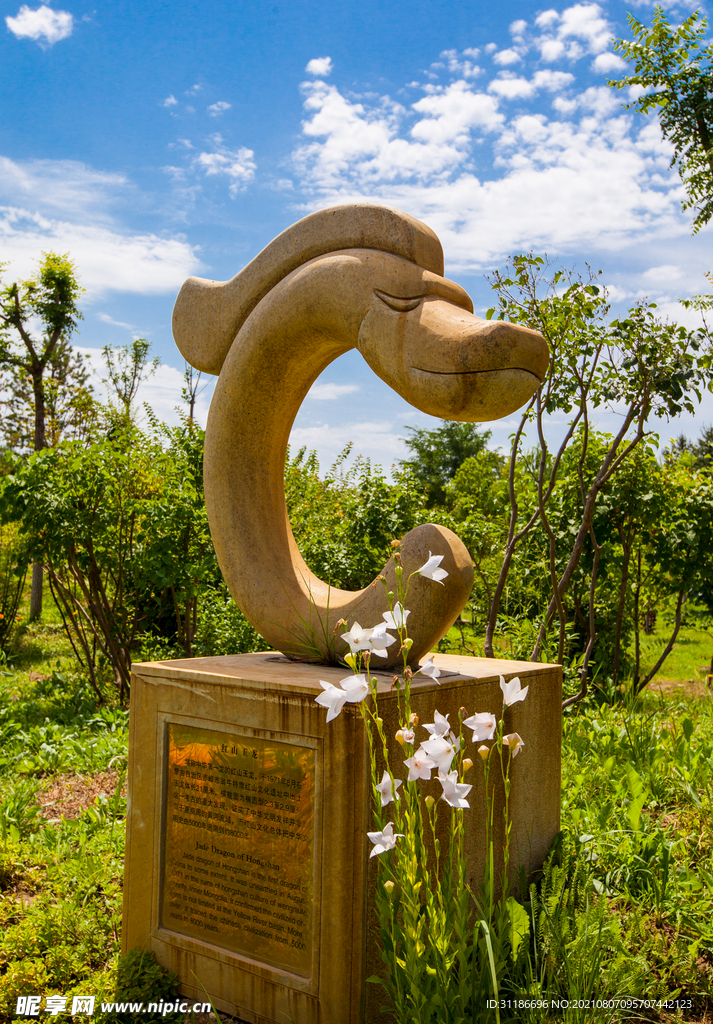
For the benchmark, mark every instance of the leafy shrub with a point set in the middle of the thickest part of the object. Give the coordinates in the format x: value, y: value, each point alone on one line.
x: 222, y: 627
x: 121, y: 529
x: 13, y: 570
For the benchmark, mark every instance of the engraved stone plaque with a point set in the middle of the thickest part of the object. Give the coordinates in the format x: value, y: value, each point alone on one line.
x: 238, y: 861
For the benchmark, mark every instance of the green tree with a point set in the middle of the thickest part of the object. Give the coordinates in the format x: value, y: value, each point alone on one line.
x: 642, y: 366
x: 438, y: 453
x: 127, y: 366
x: 49, y: 298
x: 676, y: 69
x: 71, y: 409
x: 344, y: 521
x: 701, y: 450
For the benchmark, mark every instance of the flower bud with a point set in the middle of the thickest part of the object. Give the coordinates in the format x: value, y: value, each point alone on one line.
x: 408, y: 672
x: 351, y: 660
x: 515, y: 742
x: 389, y: 886
x: 395, y: 543
x: 408, y: 643
x: 400, y: 737
x: 462, y: 712
x: 390, y: 596
x: 338, y: 623
x: 467, y: 763
x: 484, y: 752
x: 429, y: 802
x: 413, y: 718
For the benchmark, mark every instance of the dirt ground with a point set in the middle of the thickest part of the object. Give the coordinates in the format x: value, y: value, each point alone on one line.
x: 698, y: 687
x: 66, y: 796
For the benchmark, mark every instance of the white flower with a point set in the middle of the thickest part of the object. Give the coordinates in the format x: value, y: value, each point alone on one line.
x: 384, y: 787
x: 483, y: 725
x: 454, y: 792
x: 419, y: 766
x: 454, y: 741
x: 333, y: 699
x: 515, y: 742
x: 430, y: 569
x: 385, y: 840
x: 439, y: 726
x: 356, y: 688
x: 429, y: 669
x: 512, y: 691
x: 380, y: 640
x: 397, y: 618
x: 374, y: 640
x: 408, y: 735
x: 357, y: 638
x: 440, y: 750
x: 352, y: 689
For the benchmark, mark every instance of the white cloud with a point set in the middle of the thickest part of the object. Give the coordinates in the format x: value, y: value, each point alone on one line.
x: 598, y: 180
x: 451, y: 113
x: 506, y: 57
x: 551, y: 49
x: 584, y: 21
x: 194, y: 90
x: 600, y: 101
x: 106, y: 319
x: 107, y: 259
x: 66, y: 206
x: 170, y: 101
x: 457, y: 66
x: 320, y: 67
x: 328, y: 392
x: 65, y: 187
x: 376, y: 438
x: 362, y: 143
x: 547, y: 18
x: 607, y: 62
x: 237, y: 165
x: 218, y: 108
x: 517, y: 28
x: 578, y: 30
x: 510, y: 87
x: 553, y: 81
x: 42, y: 24
x: 662, y: 275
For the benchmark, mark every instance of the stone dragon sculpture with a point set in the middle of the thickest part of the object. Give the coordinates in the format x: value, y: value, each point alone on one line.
x: 363, y: 276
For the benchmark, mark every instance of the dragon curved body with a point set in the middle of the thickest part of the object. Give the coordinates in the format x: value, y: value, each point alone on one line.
x: 357, y: 276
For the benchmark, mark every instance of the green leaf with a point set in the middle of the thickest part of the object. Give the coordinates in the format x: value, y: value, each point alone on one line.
x: 519, y: 925
x: 639, y: 794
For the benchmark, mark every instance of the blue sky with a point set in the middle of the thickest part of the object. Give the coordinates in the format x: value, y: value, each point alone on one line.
x: 153, y: 141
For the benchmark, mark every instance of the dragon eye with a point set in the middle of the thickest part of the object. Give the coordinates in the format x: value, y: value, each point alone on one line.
x: 400, y: 305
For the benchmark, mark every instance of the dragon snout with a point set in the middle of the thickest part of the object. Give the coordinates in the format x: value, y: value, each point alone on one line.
x: 452, y: 364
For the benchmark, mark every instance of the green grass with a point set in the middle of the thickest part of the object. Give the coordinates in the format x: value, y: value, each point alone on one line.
x: 690, y: 657
x: 60, y: 882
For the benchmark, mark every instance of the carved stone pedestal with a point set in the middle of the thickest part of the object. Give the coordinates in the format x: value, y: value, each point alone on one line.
x: 247, y: 861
